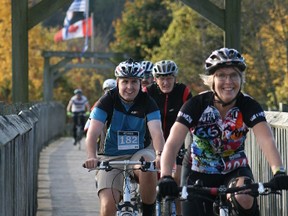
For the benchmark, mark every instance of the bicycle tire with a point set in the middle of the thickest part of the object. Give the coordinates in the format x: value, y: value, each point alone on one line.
x: 169, y: 207
x: 79, y: 135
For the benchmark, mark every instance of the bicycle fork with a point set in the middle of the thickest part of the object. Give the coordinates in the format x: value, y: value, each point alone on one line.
x: 223, y: 207
x: 126, y: 208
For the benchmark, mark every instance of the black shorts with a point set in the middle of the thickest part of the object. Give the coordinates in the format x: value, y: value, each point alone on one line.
x: 204, y: 206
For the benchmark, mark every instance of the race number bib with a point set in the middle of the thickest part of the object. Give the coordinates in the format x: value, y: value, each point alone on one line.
x: 234, y: 161
x: 128, y: 140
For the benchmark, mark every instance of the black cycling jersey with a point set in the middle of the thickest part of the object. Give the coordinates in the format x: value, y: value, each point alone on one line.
x: 169, y: 104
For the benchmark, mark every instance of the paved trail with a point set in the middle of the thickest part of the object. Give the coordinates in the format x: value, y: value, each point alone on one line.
x: 64, y: 187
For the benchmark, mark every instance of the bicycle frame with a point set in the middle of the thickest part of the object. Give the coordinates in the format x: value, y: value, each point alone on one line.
x: 79, y: 129
x: 127, y: 207
x: 168, y: 205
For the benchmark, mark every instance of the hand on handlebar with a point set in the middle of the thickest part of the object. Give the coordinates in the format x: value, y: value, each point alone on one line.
x: 69, y: 114
x: 279, y: 181
x: 90, y: 163
x: 87, y: 114
x: 167, y: 187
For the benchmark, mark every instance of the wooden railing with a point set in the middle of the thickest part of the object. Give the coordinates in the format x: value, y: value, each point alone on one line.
x: 22, y: 136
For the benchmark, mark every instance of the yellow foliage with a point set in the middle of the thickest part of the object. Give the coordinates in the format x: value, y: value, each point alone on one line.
x: 39, y: 39
x: 5, y: 51
x: 274, y: 37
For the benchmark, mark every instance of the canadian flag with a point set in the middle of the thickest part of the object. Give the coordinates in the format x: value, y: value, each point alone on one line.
x: 79, y: 29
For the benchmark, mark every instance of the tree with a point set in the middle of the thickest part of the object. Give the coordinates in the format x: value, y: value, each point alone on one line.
x: 140, y: 27
x: 188, y: 40
x: 265, y: 48
x: 5, y: 52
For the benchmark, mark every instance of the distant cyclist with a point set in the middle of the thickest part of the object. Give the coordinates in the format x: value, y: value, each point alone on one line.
x: 108, y: 84
x: 220, y: 120
x: 147, y: 76
x: 169, y: 95
x: 77, y: 105
x: 126, y: 110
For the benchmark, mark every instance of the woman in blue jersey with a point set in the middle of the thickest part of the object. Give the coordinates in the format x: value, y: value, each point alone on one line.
x: 126, y: 110
x: 219, y: 120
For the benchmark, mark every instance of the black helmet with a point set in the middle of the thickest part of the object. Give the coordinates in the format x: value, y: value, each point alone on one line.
x: 129, y: 69
x: 224, y: 57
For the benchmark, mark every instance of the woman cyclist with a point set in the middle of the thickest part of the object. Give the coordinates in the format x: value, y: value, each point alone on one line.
x: 219, y: 120
x: 126, y: 110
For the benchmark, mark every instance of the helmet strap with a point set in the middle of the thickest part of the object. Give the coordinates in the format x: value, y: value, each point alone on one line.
x: 224, y: 104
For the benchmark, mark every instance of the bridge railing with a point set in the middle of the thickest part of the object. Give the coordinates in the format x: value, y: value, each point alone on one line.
x: 22, y: 137
x: 270, y: 205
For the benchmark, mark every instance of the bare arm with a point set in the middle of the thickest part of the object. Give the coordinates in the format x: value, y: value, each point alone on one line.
x: 69, y: 106
x: 267, y: 144
x: 156, y: 133
x: 87, y: 107
x: 93, y: 133
x: 173, y: 144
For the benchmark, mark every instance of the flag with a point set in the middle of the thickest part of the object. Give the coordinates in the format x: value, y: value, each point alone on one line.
x: 82, y: 28
x: 76, y: 6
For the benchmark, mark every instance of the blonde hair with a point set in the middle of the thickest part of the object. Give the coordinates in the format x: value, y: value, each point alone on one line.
x: 208, y: 80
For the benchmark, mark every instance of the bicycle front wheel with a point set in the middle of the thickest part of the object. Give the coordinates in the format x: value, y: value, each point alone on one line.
x: 169, y: 207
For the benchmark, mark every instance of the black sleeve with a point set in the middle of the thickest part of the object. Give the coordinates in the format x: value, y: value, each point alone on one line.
x: 252, y: 111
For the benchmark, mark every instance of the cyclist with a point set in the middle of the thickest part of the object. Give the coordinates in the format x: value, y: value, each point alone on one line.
x: 125, y: 109
x: 76, y: 107
x: 147, y: 76
x: 108, y: 84
x: 169, y: 96
x: 220, y: 119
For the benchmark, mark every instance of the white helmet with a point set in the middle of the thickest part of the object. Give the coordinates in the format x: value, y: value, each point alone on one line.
x: 109, y: 84
x: 165, y: 67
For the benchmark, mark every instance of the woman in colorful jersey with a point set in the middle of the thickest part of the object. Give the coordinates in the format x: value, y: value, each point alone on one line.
x: 219, y: 120
x: 126, y: 110
x: 169, y: 95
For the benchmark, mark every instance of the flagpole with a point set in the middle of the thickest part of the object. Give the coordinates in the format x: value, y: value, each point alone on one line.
x: 86, y: 44
x: 92, y: 35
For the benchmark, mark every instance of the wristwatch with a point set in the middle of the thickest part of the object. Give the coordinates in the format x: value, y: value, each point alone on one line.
x: 158, y: 153
x: 279, y: 170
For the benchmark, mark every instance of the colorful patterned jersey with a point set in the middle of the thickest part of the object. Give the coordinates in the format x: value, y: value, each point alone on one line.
x: 218, y: 143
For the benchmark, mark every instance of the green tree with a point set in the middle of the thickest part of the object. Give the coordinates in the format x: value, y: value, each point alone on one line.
x: 188, y: 41
x: 140, y: 27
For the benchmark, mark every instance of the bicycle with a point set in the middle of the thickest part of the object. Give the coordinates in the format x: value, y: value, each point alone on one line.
x: 78, y: 127
x: 167, y: 206
x: 253, y: 189
x: 130, y: 205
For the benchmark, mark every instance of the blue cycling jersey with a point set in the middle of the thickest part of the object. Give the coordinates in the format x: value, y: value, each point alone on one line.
x: 126, y: 122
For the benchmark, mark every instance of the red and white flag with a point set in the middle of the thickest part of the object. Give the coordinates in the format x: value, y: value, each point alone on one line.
x: 79, y: 29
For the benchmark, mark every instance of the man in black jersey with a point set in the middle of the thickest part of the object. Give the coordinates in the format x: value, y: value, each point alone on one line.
x: 169, y: 96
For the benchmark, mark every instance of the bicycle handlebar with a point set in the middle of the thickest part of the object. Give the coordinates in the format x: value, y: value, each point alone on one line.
x: 276, y: 184
x: 108, y: 165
